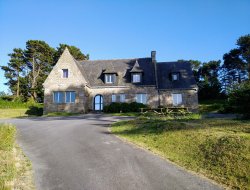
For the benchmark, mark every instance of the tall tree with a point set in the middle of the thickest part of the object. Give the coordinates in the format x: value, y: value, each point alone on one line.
x: 244, y: 46
x: 39, y: 58
x: 209, y: 84
x: 236, y: 66
x: 13, y: 70
x: 75, y: 52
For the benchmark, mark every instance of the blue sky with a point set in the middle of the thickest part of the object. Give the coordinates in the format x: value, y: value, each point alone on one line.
x: 177, y: 29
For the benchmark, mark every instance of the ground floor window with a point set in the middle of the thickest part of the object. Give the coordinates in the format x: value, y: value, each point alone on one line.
x: 177, y: 99
x: 113, y: 98
x: 70, y: 97
x: 64, y: 97
x: 122, y: 97
x: 141, y: 98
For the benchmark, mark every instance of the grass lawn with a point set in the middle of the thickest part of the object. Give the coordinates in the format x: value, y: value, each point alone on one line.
x: 15, y: 168
x: 14, y: 112
x: 210, y: 106
x: 216, y: 148
x: 132, y: 114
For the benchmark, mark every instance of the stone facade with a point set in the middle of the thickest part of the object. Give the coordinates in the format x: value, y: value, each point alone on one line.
x: 85, y: 94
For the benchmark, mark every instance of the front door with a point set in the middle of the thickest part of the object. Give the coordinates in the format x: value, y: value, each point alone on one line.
x: 98, y: 103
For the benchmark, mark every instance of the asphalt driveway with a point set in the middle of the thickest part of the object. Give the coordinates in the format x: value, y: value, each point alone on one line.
x: 79, y: 153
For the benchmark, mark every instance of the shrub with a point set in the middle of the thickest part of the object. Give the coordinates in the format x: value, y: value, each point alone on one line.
x: 123, y: 107
x: 238, y: 101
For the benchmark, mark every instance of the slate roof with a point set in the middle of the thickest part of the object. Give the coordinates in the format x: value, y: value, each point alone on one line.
x: 164, y: 70
x: 94, y: 71
x: 136, y: 68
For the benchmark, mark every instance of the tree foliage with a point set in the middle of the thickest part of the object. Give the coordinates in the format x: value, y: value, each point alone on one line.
x: 75, y: 52
x: 236, y: 66
x: 208, y: 82
x: 14, y: 70
x: 239, y: 98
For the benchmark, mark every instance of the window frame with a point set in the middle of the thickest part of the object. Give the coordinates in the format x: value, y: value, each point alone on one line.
x: 178, y: 98
x: 136, y: 74
x: 65, y: 71
x: 177, y: 74
x: 141, y: 98
x: 122, y: 100
x: 70, y: 97
x: 109, y: 78
x: 56, y: 97
x: 63, y: 99
x: 113, y: 98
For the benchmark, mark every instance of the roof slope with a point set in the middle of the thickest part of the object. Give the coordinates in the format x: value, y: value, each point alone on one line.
x: 94, y: 71
x: 186, y: 80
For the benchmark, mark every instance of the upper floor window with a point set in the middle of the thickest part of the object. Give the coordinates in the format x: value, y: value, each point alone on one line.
x: 65, y: 73
x: 175, y: 76
x: 70, y: 97
x: 109, y: 78
x: 141, y: 98
x: 177, y: 99
x: 122, y: 97
x: 136, y: 77
x: 58, y: 97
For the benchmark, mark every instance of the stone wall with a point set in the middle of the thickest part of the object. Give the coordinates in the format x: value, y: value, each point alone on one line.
x: 56, y: 82
x: 130, y: 94
x: 189, y: 98
x: 78, y: 107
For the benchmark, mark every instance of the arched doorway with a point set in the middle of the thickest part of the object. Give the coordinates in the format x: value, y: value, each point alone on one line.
x: 98, y: 103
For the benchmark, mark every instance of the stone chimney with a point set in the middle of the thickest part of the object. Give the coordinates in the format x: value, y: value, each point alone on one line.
x: 153, y: 56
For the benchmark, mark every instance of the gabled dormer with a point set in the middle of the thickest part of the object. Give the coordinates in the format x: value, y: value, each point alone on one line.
x: 175, y: 76
x: 136, y: 73
x: 110, y: 75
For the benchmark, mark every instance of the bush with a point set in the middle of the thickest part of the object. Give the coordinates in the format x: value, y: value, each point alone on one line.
x: 35, y: 111
x: 123, y: 107
x: 238, y: 101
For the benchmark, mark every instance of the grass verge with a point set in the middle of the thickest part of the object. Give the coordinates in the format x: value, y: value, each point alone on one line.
x: 15, y: 168
x: 211, y: 106
x: 15, y: 112
x: 216, y: 148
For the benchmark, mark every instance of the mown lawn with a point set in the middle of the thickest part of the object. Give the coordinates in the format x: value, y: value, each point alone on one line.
x: 14, y: 112
x: 211, y: 106
x: 15, y: 168
x: 216, y: 148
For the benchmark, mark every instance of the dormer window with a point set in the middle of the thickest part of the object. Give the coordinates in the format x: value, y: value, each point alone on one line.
x: 109, y: 78
x: 65, y: 73
x: 136, y: 77
x: 175, y: 76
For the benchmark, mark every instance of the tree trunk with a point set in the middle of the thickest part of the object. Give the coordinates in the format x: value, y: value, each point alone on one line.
x: 18, y: 85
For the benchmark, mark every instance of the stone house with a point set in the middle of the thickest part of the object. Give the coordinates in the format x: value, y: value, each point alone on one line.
x: 82, y: 86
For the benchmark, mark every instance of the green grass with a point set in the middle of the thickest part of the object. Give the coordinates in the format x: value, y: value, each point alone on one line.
x: 54, y: 114
x: 13, y: 164
x: 11, y: 113
x: 133, y: 114
x: 216, y: 148
x: 210, y: 106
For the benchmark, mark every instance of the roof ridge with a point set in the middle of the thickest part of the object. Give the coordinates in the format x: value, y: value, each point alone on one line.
x: 114, y: 59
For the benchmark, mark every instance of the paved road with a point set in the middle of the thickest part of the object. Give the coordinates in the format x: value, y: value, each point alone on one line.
x: 79, y: 153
